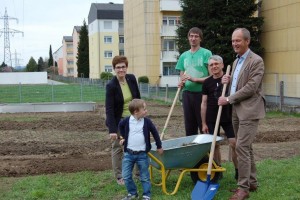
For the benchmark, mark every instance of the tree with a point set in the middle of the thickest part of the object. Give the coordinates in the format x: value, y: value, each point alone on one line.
x: 83, y: 52
x: 218, y: 19
x: 50, y: 61
x: 40, y: 65
x: 3, y: 66
x: 32, y: 65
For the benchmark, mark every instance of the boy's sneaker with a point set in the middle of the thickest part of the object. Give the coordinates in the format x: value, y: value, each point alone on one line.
x: 146, y: 198
x: 131, y: 196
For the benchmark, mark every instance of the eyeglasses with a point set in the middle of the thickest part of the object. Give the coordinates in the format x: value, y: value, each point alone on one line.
x: 213, y: 64
x: 121, y: 67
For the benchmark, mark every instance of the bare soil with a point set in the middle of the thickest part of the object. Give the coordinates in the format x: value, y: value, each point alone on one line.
x: 44, y: 143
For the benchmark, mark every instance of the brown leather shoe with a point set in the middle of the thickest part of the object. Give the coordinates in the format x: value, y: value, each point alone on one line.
x: 240, y: 195
x: 253, y: 188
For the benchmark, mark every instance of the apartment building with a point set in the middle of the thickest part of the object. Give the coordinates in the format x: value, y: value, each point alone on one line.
x: 58, y: 58
x: 75, y: 36
x: 106, y: 36
x: 280, y: 38
x: 68, y: 56
x: 150, y: 31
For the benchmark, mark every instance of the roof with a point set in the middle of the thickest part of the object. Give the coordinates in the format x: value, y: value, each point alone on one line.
x: 77, y: 28
x: 105, y: 11
x: 68, y: 38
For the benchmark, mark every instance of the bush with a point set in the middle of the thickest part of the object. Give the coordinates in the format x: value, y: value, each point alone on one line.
x: 106, y: 75
x: 143, y: 79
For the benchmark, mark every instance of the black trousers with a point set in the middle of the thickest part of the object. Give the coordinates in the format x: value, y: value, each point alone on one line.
x: 192, y: 114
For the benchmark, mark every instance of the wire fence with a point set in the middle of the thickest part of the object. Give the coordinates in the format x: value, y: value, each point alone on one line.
x: 281, y: 92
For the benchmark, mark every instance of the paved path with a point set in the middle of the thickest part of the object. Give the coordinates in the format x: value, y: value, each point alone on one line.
x: 50, y: 82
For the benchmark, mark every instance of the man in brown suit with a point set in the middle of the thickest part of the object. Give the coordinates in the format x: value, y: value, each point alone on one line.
x: 248, y: 106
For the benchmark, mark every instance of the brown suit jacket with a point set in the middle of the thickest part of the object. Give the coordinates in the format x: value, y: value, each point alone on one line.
x: 248, y: 100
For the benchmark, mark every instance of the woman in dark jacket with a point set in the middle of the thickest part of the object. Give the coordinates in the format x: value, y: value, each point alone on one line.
x: 119, y: 92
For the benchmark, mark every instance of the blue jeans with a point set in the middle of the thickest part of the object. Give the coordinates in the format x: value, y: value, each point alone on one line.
x: 142, y: 162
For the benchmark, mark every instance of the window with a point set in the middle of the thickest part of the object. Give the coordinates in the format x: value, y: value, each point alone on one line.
x: 171, y: 21
x: 70, y: 71
x: 169, y: 69
x: 69, y: 45
x: 121, y: 39
x: 108, y: 68
x: 121, y: 53
x: 107, y: 24
x: 169, y: 45
x: 69, y: 54
x: 107, y: 39
x: 70, y: 62
x: 107, y: 54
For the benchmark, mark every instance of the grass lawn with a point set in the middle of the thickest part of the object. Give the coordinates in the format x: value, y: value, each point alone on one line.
x: 51, y: 93
x: 278, y: 179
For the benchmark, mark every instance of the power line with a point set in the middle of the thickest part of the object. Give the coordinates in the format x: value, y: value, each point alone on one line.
x: 6, y: 30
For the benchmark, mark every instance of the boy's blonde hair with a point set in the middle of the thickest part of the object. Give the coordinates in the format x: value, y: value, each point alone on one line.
x: 136, y: 105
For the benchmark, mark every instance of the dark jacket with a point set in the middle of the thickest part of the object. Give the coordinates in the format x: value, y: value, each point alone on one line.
x: 114, y: 101
x: 147, y: 129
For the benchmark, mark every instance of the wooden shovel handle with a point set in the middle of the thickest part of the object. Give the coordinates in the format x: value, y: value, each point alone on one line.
x: 170, y: 112
x: 213, y: 144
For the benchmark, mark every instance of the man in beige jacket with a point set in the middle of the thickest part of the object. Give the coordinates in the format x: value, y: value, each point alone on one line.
x: 248, y: 106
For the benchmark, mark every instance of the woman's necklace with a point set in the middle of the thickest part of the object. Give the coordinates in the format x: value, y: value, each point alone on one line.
x: 122, y: 82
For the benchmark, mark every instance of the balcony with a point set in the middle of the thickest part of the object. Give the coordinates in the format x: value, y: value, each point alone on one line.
x: 121, y: 46
x: 168, y: 31
x: 170, y: 5
x: 169, y: 56
x: 121, y: 31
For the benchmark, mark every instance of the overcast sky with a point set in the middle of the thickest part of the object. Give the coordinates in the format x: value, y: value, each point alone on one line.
x: 44, y: 23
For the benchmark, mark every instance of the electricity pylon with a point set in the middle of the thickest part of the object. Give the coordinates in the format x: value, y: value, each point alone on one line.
x: 6, y: 30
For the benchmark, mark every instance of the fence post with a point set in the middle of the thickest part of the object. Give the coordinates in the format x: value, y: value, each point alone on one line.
x: 167, y: 93
x: 81, y: 92
x: 20, y: 92
x: 281, y: 103
x: 156, y: 91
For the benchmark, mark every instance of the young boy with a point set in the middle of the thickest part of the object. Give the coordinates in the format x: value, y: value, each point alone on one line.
x: 136, y: 131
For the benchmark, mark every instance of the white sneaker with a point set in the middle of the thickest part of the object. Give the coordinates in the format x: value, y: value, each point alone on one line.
x: 146, y: 198
x: 131, y: 196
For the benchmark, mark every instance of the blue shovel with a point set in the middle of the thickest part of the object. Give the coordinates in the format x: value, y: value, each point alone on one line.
x: 207, y: 190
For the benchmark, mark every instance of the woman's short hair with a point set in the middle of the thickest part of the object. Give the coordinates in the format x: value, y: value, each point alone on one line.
x: 119, y: 59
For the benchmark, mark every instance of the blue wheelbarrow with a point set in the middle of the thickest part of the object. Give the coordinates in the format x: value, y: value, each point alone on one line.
x: 185, y: 154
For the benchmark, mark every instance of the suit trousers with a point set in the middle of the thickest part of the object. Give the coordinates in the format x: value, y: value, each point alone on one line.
x: 245, y: 131
x: 116, y: 156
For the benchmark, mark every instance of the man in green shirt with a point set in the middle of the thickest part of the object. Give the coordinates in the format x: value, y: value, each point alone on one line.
x: 193, y: 66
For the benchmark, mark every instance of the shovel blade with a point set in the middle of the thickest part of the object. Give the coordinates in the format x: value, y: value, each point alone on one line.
x: 204, y: 191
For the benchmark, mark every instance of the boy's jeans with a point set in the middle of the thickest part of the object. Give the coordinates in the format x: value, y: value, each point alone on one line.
x: 142, y: 161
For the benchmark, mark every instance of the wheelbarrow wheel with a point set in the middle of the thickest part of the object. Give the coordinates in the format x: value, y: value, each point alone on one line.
x: 202, y: 175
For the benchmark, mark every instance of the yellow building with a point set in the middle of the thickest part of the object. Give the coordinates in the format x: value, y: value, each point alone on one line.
x: 75, y: 35
x: 280, y: 38
x: 149, y: 30
x: 68, y: 56
x: 106, y: 36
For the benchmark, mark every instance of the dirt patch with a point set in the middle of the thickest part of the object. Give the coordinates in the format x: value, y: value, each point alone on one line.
x: 43, y: 143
